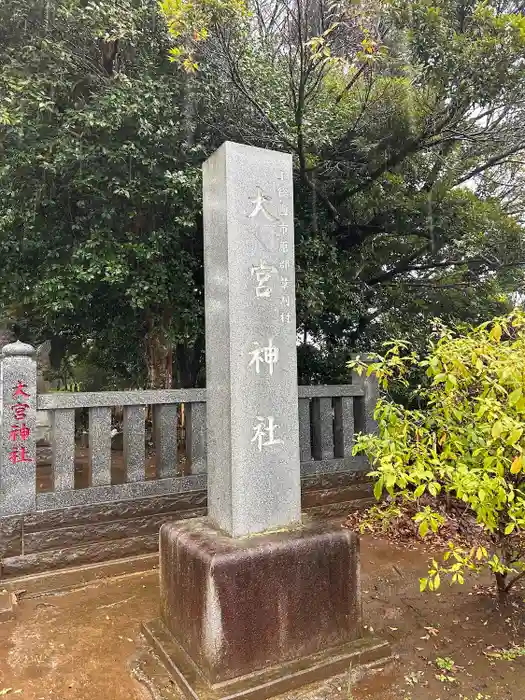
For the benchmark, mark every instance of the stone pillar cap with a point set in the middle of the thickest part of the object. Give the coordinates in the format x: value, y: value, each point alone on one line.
x: 18, y: 349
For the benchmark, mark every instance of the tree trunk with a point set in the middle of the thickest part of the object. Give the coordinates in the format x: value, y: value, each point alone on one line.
x: 159, y: 354
x: 501, y: 584
x: 189, y: 360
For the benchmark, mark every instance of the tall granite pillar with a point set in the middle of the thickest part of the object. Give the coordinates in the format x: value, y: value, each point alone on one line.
x: 253, y: 601
x: 251, y: 356
x: 18, y: 429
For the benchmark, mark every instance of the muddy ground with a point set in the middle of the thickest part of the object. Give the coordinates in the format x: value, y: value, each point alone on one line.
x: 77, y: 645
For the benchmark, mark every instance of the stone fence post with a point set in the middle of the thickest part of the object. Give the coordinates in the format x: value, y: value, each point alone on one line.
x: 18, y: 429
x: 365, y: 406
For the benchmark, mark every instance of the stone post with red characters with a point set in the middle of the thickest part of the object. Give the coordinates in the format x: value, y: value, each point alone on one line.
x: 18, y: 429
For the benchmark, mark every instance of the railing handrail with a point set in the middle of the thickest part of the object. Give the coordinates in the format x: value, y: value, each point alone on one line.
x: 143, y: 397
x: 330, y: 391
x: 95, y: 399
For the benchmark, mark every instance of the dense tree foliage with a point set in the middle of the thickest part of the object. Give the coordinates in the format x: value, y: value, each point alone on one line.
x: 404, y: 118
x: 100, y: 235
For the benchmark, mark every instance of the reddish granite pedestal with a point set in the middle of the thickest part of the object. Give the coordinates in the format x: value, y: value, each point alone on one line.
x: 257, y: 616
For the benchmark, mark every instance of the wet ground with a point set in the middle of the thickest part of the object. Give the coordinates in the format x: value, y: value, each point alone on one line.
x: 77, y: 645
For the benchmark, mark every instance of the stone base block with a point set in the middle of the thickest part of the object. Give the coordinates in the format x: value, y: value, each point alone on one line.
x: 357, y: 658
x: 257, y: 616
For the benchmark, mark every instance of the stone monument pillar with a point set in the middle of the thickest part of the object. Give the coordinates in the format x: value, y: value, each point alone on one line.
x: 253, y: 601
x: 18, y: 428
x: 251, y: 356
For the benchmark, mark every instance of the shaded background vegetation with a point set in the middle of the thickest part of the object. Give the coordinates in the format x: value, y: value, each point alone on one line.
x: 405, y: 120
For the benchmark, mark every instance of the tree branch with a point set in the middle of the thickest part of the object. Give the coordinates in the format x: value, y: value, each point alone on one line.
x: 514, y: 580
x: 351, y: 83
x: 402, y: 266
x: 495, y: 160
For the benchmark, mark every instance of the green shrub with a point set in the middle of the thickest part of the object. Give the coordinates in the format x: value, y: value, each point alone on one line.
x: 466, y: 440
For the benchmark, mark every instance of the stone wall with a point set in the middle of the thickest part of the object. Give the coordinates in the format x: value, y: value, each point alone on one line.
x: 57, y: 539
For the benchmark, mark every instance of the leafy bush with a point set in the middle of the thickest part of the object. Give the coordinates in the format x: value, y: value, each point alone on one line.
x: 465, y: 441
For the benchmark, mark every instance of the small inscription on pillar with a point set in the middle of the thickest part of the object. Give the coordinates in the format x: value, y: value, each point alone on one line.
x: 263, y: 277
x: 20, y: 432
x: 265, y: 433
x: 269, y: 285
x: 267, y: 355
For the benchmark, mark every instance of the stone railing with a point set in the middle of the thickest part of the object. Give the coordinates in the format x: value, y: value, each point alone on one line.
x: 329, y: 416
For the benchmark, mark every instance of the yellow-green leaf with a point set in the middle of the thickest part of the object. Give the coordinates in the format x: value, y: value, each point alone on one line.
x: 423, y: 583
x: 423, y: 528
x: 496, y: 332
x: 378, y: 488
x: 520, y: 406
x: 497, y: 429
x: 515, y: 396
x: 515, y: 436
x: 516, y: 465
x: 419, y: 491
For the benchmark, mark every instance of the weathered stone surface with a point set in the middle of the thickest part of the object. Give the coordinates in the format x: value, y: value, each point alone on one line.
x: 119, y: 492
x: 196, y: 437
x: 7, y: 605
x: 100, y: 445
x: 64, y: 528
x: 344, y: 427
x: 251, y: 365
x: 170, y: 663
x: 10, y: 536
x: 305, y: 435
x: 17, y: 429
x: 323, y: 429
x: 58, y: 580
x: 331, y: 511
x: 329, y: 391
x: 75, y: 556
x: 145, y: 397
x: 165, y: 419
x: 364, y: 406
x: 101, y: 532
x: 134, y: 442
x: 119, y: 510
x: 239, y: 605
x: 331, y: 496
x: 63, y: 433
x: 140, y: 397
x: 330, y: 481
x: 326, y: 466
